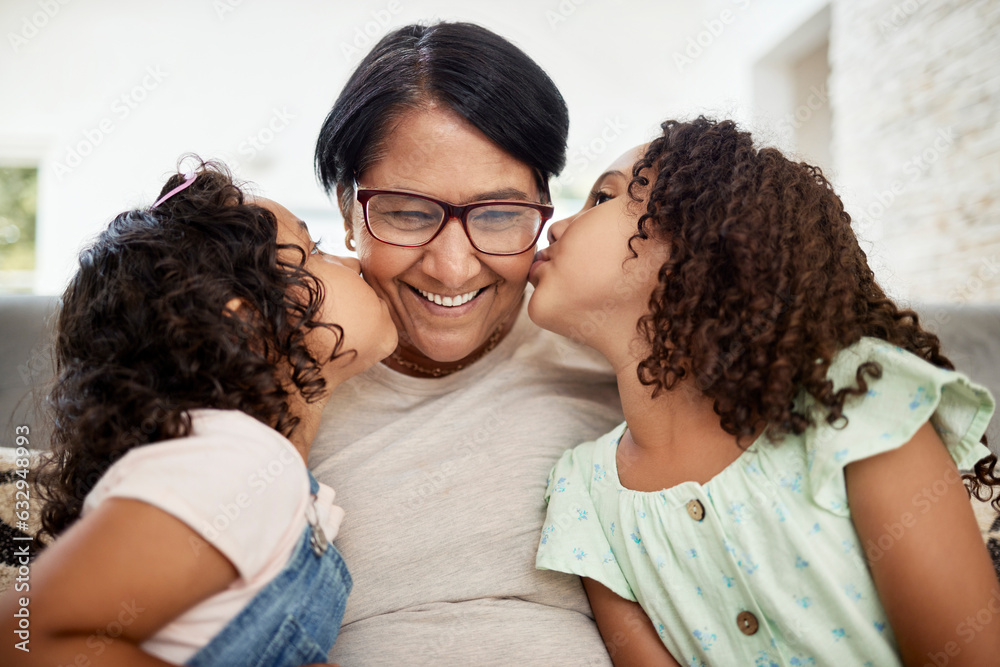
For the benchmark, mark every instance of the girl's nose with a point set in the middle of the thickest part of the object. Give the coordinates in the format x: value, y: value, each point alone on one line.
x: 557, y: 228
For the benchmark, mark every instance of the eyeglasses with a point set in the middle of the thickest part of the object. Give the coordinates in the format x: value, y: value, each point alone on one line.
x: 411, y: 220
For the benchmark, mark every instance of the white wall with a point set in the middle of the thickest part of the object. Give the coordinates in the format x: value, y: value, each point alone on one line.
x: 813, y: 123
x: 204, y: 76
x: 916, y: 86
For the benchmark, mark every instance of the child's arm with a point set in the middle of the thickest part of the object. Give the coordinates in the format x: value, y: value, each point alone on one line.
x: 931, y: 570
x: 627, y: 631
x: 110, y: 582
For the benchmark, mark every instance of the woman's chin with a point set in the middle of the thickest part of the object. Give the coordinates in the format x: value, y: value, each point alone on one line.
x: 443, y: 350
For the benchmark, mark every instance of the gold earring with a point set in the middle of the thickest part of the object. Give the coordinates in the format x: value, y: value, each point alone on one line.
x: 349, y: 240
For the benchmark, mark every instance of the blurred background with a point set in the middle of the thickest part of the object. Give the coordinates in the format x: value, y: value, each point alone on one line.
x: 898, y: 102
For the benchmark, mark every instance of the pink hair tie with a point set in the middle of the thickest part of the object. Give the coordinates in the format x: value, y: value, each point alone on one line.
x: 188, y: 180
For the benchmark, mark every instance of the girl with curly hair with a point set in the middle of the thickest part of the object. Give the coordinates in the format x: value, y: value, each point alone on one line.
x: 196, y: 347
x: 786, y: 488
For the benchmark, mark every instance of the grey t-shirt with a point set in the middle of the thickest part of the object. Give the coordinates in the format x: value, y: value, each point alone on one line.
x: 443, y: 483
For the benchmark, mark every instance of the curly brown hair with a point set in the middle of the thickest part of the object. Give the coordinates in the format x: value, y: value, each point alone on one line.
x: 144, y: 333
x: 764, y: 284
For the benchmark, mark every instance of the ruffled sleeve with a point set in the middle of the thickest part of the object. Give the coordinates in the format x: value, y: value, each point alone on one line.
x: 573, y: 537
x: 910, y: 392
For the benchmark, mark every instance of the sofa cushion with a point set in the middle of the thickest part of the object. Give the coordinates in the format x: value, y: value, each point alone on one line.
x: 26, y: 362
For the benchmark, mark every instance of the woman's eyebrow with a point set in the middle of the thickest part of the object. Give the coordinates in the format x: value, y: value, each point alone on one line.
x: 504, y: 193
x: 490, y: 195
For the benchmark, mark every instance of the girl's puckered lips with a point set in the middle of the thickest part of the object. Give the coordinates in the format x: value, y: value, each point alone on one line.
x: 541, y: 257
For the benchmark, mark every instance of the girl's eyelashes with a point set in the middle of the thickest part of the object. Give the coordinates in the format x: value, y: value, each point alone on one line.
x: 315, y: 249
x: 600, y: 196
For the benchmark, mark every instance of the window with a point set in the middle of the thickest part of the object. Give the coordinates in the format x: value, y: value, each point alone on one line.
x: 18, y: 202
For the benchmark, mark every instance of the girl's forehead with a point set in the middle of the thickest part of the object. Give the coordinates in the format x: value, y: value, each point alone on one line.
x: 288, y: 223
x: 626, y: 160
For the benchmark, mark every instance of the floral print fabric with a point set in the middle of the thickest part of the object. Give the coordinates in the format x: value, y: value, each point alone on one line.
x: 761, y: 565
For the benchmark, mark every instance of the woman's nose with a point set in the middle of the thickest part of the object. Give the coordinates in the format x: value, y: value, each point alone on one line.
x: 557, y: 228
x: 450, y: 258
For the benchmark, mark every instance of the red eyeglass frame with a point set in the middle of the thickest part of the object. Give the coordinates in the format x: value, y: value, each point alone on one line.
x: 363, y: 195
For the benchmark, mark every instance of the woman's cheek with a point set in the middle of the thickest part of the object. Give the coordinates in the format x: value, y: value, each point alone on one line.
x: 515, y: 269
x: 363, y: 242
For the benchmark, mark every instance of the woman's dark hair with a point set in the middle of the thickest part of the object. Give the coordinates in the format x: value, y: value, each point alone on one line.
x: 147, y: 331
x: 475, y: 72
x: 764, y: 284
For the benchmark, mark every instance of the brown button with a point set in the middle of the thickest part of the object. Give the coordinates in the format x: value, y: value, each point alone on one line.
x: 747, y: 623
x: 696, y: 510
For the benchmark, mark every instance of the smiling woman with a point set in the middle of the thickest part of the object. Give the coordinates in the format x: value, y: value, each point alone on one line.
x: 453, y: 160
x: 456, y: 114
x: 439, y: 150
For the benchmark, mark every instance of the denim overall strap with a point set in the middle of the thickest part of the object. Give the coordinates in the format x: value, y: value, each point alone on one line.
x: 294, y: 620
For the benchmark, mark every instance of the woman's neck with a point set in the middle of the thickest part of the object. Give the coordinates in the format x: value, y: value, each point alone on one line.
x: 410, y: 361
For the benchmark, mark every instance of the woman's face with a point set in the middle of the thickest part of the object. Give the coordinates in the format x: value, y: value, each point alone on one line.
x: 348, y: 301
x: 434, y: 151
x: 587, y: 285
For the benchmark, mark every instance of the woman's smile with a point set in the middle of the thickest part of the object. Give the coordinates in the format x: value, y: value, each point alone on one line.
x: 448, y: 304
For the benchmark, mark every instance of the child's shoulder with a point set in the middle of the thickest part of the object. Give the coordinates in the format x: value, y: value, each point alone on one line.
x: 236, y: 426
x: 897, y: 364
x: 220, y: 435
x: 226, y: 450
x: 907, y: 393
x: 581, y: 465
x: 582, y: 497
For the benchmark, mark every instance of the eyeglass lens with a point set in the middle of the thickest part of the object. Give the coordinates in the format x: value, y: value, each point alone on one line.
x: 497, y: 228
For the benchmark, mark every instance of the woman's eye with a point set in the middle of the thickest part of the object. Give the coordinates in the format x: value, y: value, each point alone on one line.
x: 315, y: 249
x: 600, y: 197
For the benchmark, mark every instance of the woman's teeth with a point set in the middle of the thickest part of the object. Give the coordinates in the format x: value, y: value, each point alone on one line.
x: 449, y: 301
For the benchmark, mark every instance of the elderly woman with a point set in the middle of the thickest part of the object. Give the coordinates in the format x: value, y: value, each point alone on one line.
x: 439, y: 151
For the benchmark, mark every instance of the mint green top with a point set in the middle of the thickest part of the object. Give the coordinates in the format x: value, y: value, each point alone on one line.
x: 775, y: 536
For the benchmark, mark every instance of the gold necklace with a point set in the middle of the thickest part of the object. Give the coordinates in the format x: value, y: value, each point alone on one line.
x: 494, y: 339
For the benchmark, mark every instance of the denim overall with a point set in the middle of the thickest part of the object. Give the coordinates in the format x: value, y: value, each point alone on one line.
x: 295, y: 618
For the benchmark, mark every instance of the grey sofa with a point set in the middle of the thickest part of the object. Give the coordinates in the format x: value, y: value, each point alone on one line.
x: 26, y: 326
x: 970, y: 336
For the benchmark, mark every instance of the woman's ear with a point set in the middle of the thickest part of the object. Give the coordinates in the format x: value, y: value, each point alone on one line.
x: 346, y: 206
x: 345, y: 200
